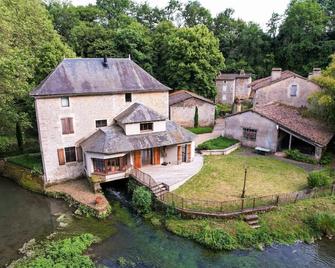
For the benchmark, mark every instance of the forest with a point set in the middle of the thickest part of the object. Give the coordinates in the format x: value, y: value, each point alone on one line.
x: 183, y: 45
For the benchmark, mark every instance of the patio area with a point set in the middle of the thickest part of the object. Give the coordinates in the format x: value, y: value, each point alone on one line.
x: 175, y: 175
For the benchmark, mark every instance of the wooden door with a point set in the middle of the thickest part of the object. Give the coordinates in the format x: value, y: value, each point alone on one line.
x: 157, y: 156
x: 137, y: 159
x: 179, y: 154
x: 188, y: 152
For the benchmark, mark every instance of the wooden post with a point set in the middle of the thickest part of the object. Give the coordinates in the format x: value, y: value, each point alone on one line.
x: 245, y: 182
x: 253, y: 203
x: 290, y: 142
x: 277, y: 201
x: 296, y: 198
x: 242, y: 204
x: 182, y: 203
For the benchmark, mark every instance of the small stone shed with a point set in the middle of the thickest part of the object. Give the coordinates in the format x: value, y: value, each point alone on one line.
x: 183, y: 104
x: 278, y: 127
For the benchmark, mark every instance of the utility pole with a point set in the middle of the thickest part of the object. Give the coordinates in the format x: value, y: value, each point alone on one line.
x: 245, y: 182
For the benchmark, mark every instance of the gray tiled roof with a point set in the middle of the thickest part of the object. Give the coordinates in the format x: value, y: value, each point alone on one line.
x: 182, y: 95
x: 88, y: 76
x: 111, y: 140
x: 137, y: 113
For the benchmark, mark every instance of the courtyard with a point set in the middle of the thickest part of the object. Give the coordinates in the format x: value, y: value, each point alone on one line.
x: 222, y: 177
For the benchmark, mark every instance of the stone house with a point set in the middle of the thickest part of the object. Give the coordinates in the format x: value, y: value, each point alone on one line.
x: 285, y: 87
x: 231, y: 86
x: 276, y: 127
x: 183, y: 104
x: 96, y: 117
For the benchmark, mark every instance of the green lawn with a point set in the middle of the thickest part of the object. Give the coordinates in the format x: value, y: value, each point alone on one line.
x: 31, y: 161
x: 216, y: 144
x: 201, y: 130
x: 221, y: 178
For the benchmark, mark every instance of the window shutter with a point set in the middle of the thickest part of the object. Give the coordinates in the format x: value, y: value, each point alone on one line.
x: 79, y: 154
x: 70, y: 124
x: 188, y: 152
x: 67, y: 125
x: 61, y: 157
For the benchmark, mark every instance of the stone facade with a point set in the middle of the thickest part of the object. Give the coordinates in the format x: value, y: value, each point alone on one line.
x: 267, y: 132
x: 281, y: 92
x: 183, y: 112
x: 84, y: 110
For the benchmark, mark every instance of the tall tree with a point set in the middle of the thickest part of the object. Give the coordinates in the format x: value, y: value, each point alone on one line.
x: 192, y: 60
x: 302, y: 42
x: 194, y: 14
x: 30, y: 49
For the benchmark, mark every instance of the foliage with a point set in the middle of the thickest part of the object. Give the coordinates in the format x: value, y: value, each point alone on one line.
x: 30, y: 161
x: 142, y: 200
x: 196, y: 117
x: 323, y: 223
x: 223, y: 109
x: 218, y: 143
x: 320, y: 178
x: 326, y: 158
x: 296, y: 155
x: 323, y: 102
x: 303, y: 221
x: 63, y: 253
x: 201, y: 130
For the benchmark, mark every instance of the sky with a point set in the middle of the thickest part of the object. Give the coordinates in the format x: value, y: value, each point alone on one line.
x: 258, y: 11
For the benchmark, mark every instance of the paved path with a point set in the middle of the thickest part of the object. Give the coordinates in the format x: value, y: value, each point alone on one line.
x: 175, y: 175
x: 217, y: 132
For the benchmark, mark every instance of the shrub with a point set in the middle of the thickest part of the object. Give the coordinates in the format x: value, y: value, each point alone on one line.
x: 196, y: 117
x: 320, y: 178
x: 323, y: 223
x: 298, y: 156
x: 215, y: 238
x: 326, y: 159
x: 142, y: 200
x: 218, y: 143
x: 223, y: 109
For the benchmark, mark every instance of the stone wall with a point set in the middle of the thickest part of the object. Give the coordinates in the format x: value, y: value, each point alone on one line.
x: 84, y: 110
x: 242, y: 91
x: 267, y: 133
x: 280, y: 92
x: 183, y: 113
x: 225, y: 91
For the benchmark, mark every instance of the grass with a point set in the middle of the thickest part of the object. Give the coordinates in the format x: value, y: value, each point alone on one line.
x: 221, y: 178
x: 201, y: 130
x: 30, y: 161
x: 286, y: 225
x: 217, y: 144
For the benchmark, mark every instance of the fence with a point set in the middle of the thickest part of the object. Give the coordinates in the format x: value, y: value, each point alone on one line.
x: 142, y: 177
x: 242, y: 204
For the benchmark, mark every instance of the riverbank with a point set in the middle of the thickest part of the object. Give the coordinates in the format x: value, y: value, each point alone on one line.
x: 305, y: 221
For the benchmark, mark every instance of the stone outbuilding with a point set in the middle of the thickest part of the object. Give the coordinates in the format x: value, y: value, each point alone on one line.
x: 276, y: 127
x: 285, y: 87
x: 183, y: 104
x: 231, y: 86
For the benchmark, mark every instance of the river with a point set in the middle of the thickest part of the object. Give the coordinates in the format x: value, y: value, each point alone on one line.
x: 25, y: 215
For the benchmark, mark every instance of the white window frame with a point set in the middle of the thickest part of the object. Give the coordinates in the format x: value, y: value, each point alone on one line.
x: 67, y: 99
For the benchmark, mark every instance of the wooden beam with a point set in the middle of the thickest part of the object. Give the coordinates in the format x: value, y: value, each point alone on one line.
x: 290, y: 142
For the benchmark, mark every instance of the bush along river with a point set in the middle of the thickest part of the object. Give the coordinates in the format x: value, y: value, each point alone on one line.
x: 128, y: 240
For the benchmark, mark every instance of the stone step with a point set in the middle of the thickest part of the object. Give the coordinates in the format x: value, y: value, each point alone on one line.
x: 255, y: 222
x: 251, y: 217
x: 160, y: 193
x: 255, y: 226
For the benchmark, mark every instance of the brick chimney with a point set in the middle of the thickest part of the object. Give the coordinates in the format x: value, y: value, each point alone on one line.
x: 242, y: 72
x: 316, y: 72
x: 276, y: 73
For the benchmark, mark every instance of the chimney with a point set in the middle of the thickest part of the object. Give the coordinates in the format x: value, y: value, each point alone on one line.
x: 316, y: 72
x: 105, y: 62
x: 242, y: 72
x: 276, y: 73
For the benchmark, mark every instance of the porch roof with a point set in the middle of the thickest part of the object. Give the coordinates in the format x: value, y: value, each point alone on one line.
x: 112, y: 139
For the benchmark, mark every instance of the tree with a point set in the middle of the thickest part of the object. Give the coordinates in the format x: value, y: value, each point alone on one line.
x: 273, y: 25
x: 30, y: 49
x: 191, y: 59
x: 196, y: 117
x: 195, y: 14
x: 115, y: 8
x: 302, y: 42
x: 323, y: 102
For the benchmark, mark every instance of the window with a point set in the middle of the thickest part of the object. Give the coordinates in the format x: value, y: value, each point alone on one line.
x: 70, y: 154
x: 100, y: 123
x: 65, y: 101
x: 293, y: 90
x: 146, y: 126
x: 250, y: 134
x: 128, y: 97
x: 67, y: 125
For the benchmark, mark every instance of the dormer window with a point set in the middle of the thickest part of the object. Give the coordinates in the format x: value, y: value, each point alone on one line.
x: 146, y: 126
x: 65, y: 102
x: 293, y: 90
x: 128, y: 97
x: 100, y: 123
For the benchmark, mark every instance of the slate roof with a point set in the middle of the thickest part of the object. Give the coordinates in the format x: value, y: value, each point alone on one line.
x: 137, y: 113
x: 88, y: 76
x: 182, y: 95
x: 111, y: 140
x: 231, y: 76
x: 291, y: 118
